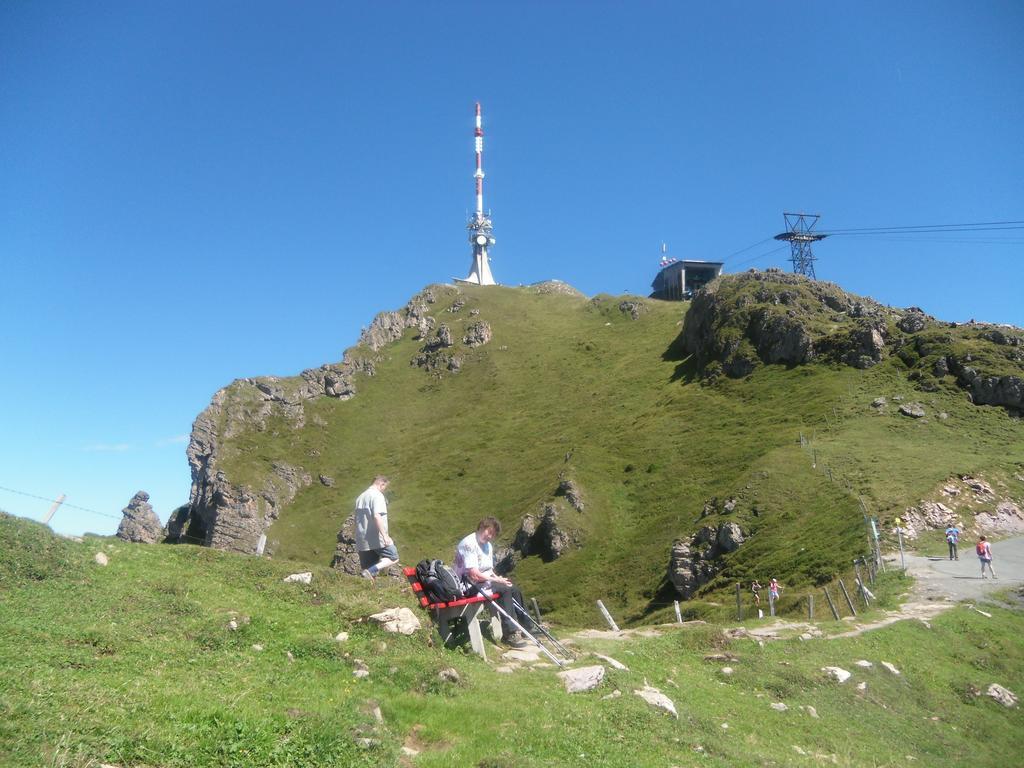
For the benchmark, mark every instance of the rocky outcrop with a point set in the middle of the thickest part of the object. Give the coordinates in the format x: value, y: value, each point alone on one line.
x: 1006, y: 391
x: 540, y: 536
x: 633, y: 309
x: 572, y: 493
x: 695, y: 561
x: 228, y: 515
x: 556, y: 286
x: 346, y: 557
x: 139, y: 523
x: 477, y: 334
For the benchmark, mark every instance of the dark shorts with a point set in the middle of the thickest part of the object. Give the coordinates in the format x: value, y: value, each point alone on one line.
x: 374, y: 556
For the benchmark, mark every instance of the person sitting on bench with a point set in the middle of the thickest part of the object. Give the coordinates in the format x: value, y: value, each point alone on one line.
x: 474, y: 565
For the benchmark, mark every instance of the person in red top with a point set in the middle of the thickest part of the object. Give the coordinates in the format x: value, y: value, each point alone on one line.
x: 984, y: 550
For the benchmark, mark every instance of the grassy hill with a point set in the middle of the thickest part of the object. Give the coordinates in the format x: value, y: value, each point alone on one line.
x: 135, y: 664
x: 579, y: 388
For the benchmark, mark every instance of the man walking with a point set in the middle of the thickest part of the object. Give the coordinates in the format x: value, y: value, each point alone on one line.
x: 474, y: 565
x: 375, y: 546
x: 953, y: 538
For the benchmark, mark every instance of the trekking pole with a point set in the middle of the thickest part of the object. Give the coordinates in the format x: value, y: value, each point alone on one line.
x: 554, y: 641
x: 489, y: 598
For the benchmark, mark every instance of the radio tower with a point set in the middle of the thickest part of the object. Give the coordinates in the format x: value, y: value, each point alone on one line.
x: 799, y: 236
x: 480, y: 227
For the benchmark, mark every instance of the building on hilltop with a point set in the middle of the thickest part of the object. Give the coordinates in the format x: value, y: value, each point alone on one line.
x: 679, y: 280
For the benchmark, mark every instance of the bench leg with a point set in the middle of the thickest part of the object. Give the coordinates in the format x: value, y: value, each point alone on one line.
x: 476, y: 638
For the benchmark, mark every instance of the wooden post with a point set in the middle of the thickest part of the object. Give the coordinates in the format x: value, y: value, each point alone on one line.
x: 771, y: 604
x: 53, y: 509
x: 810, y: 606
x: 846, y: 594
x: 261, y: 544
x: 739, y: 604
x: 831, y: 604
x: 860, y: 584
x: 536, y: 609
x: 608, y: 617
x: 679, y: 616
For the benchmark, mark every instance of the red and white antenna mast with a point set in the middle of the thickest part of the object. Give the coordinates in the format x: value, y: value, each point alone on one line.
x: 480, y: 228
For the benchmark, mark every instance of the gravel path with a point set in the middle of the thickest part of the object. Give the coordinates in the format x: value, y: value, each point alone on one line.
x: 939, y: 578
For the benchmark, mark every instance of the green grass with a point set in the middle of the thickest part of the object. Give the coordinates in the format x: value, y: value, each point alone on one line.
x: 133, y: 664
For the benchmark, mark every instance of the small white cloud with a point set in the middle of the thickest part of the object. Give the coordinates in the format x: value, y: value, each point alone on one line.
x: 176, y: 440
x: 108, y: 447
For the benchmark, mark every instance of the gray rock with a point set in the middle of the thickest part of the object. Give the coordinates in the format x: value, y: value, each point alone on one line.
x: 401, y: 621
x: 729, y: 538
x: 572, y: 493
x: 327, y: 481
x: 837, y: 673
x: 913, y: 321
x: 346, y: 557
x: 139, y: 523
x: 633, y: 309
x: 306, y: 577
x: 582, y: 678
x: 477, y: 334
x: 100, y: 558
x: 913, y: 410
x: 657, y: 699
x: 878, y: 402
x: 1003, y: 695
x: 695, y: 561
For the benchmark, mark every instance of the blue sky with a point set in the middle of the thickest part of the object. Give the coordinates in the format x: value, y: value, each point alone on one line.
x: 192, y: 192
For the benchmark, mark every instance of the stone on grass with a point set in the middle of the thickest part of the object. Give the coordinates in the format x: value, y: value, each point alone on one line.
x: 582, y: 678
x: 840, y: 675
x: 299, y: 578
x: 341, y: 637
x: 101, y: 559
x: 864, y: 663
x: 1004, y: 696
x: 615, y: 664
x: 400, y: 620
x: 448, y: 675
x: 779, y: 706
x: 913, y: 410
x: 890, y: 667
x: 657, y: 699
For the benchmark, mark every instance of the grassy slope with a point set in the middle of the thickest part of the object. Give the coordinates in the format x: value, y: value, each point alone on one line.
x: 648, y: 446
x: 133, y: 664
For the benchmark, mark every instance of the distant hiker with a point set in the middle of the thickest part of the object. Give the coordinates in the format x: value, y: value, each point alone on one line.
x: 376, y: 548
x: 953, y: 538
x: 755, y: 587
x: 984, y: 550
x: 773, y: 590
x: 474, y: 564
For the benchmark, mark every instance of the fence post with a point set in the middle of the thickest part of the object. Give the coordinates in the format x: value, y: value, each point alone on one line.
x: 846, y: 594
x: 771, y: 604
x: 810, y: 606
x: 608, y: 617
x: 679, y: 616
x: 831, y: 604
x: 860, y: 584
x: 536, y: 609
x: 739, y: 604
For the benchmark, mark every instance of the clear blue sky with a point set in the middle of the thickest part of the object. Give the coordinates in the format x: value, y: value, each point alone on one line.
x: 192, y: 192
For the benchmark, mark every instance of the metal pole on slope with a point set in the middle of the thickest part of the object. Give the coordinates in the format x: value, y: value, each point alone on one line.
x: 607, y: 616
x: 53, y: 509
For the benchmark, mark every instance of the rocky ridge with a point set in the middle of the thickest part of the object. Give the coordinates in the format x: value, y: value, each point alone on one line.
x: 741, y: 321
x: 229, y: 515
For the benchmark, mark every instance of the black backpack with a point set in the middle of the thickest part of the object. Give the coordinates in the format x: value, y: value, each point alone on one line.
x: 440, y: 584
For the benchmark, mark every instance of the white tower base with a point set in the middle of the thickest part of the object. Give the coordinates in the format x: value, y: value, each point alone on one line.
x: 479, y: 269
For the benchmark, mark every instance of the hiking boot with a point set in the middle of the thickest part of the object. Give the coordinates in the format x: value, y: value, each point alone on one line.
x: 516, y: 640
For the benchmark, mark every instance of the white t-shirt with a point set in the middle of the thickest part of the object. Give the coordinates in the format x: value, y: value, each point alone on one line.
x: 470, y: 553
x: 371, y: 502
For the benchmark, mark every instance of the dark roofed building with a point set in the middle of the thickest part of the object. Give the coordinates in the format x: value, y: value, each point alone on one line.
x: 679, y: 280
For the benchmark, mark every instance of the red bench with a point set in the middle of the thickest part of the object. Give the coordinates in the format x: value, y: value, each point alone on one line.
x: 444, y: 614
